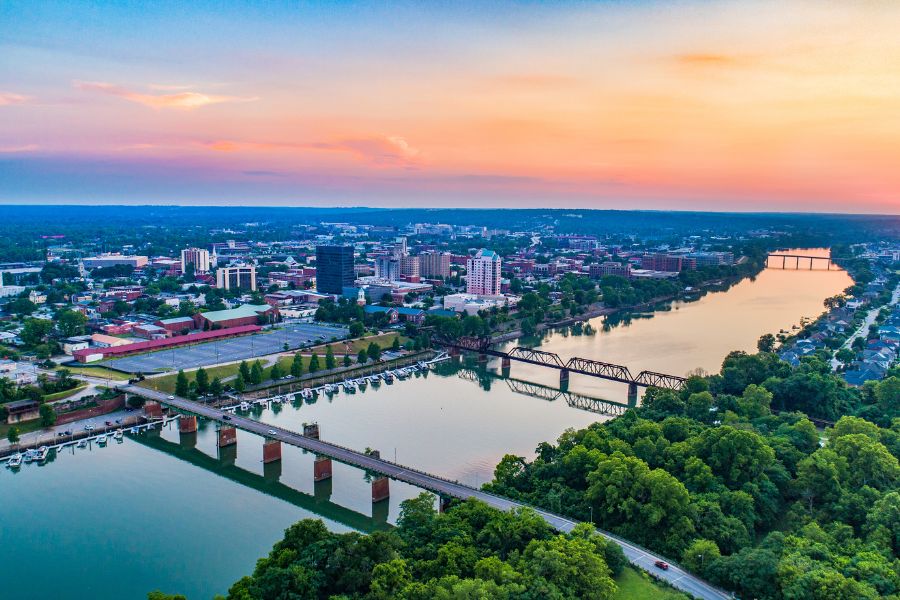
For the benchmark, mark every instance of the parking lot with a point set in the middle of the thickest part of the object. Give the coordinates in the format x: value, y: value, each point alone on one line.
x: 295, y: 335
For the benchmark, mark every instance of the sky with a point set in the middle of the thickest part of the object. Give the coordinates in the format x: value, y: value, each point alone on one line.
x: 787, y: 105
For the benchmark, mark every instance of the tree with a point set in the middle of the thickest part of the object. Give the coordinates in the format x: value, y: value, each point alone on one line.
x: 357, y: 329
x: 256, y: 373
x: 297, y: 365
x: 215, y: 388
x: 35, y: 331
x: 362, y: 357
x: 313, y: 363
x: 244, y: 370
x: 240, y: 384
x: 70, y: 323
x: 396, y: 345
x: 766, y: 343
x: 13, y: 435
x: 374, y: 352
x: 275, y: 373
x: 329, y: 358
x: 202, y: 379
x: 699, y: 555
x: 48, y: 415
x: 181, y: 384
x: 21, y: 307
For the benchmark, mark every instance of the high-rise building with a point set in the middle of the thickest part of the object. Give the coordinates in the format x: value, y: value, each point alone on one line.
x: 483, y: 276
x: 662, y: 262
x: 434, y: 264
x: 235, y: 277
x: 387, y: 267
x: 197, y: 257
x: 334, y: 269
x: 597, y: 270
x: 409, y: 268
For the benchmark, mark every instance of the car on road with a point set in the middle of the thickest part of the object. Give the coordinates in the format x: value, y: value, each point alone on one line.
x: 171, y: 397
x: 272, y: 432
x: 226, y: 417
x: 88, y: 427
x: 662, y: 565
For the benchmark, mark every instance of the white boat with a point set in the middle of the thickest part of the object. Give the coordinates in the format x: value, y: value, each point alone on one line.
x: 30, y: 455
x: 245, y: 406
x: 102, y: 440
x: 42, y: 453
x: 133, y: 430
x: 117, y: 435
x: 388, y: 377
x: 329, y: 389
x: 82, y: 443
x: 14, y: 462
x: 307, y: 393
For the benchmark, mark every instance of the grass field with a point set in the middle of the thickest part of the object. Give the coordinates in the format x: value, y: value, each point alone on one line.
x: 101, y: 372
x: 634, y: 584
x: 64, y: 393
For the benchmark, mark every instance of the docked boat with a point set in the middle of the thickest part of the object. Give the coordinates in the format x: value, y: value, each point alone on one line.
x: 245, y: 406
x: 133, y: 430
x: 82, y: 443
x: 329, y: 389
x: 306, y: 393
x: 14, y: 462
x: 102, y: 440
x: 30, y: 455
x: 118, y: 435
x: 402, y: 374
x: 388, y: 377
x: 42, y: 453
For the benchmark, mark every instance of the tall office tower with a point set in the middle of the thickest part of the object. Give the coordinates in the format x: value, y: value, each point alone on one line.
x: 483, y: 276
x: 334, y: 269
x: 434, y: 264
x: 236, y: 277
x: 197, y: 257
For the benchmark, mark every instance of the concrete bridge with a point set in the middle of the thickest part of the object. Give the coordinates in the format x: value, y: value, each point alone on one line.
x: 581, y: 366
x: 445, y: 488
x: 772, y: 260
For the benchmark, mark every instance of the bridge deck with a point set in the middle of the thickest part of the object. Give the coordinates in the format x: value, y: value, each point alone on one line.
x: 638, y: 556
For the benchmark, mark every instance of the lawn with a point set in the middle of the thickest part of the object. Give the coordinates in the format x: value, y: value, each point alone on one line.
x: 636, y: 584
x: 384, y: 340
x: 101, y: 372
x: 64, y: 394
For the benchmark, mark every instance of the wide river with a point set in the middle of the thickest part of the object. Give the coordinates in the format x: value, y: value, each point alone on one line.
x: 167, y: 512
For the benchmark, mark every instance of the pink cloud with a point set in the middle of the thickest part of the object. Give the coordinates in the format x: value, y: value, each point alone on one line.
x: 9, y: 98
x: 379, y: 150
x: 18, y: 149
x: 179, y: 100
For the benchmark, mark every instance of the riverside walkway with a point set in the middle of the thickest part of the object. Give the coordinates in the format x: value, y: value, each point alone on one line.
x: 639, y: 557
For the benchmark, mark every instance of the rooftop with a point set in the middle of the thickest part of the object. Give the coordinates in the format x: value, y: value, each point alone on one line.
x: 241, y: 312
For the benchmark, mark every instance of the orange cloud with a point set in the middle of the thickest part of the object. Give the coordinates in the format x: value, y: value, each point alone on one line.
x: 9, y: 98
x: 180, y: 100
x: 375, y: 150
x: 707, y: 59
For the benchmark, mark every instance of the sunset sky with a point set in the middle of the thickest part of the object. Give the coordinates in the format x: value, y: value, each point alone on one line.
x: 755, y: 105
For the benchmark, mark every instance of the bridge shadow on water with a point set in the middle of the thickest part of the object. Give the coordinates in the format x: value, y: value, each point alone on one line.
x: 268, y: 483
x: 485, y: 378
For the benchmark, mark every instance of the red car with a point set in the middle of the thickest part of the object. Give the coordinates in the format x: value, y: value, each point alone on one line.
x: 662, y: 565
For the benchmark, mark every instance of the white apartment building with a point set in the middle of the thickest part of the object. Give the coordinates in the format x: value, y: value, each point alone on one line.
x: 483, y: 278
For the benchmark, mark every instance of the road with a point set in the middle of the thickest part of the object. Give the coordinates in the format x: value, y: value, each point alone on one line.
x: 638, y: 556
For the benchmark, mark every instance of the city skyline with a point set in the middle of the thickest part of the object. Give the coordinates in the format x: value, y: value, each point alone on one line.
x: 641, y: 104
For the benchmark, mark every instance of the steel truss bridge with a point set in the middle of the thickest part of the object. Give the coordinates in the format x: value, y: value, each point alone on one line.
x: 582, y: 366
x: 550, y: 394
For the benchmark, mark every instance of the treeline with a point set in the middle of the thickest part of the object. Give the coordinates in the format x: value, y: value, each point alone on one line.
x: 755, y: 500
x: 471, y: 551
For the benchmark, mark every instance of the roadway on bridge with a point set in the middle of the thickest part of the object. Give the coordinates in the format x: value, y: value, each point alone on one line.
x: 638, y: 556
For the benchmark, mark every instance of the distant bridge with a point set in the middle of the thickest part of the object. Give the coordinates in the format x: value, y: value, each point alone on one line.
x: 797, y: 258
x: 582, y: 366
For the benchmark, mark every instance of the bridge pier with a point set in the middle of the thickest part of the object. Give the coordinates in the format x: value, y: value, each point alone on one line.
x: 187, y: 424
x: 380, y: 488
x: 321, y: 468
x: 271, y: 451
x: 228, y: 454
x: 443, y: 503
x: 272, y: 471
x: 506, y: 363
x: 227, y: 436
x: 563, y: 377
x: 482, y: 358
x: 454, y: 352
x: 322, y: 489
x: 152, y: 410
x: 632, y: 394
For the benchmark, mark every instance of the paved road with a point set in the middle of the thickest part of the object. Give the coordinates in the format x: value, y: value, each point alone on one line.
x: 867, y: 324
x: 637, y: 556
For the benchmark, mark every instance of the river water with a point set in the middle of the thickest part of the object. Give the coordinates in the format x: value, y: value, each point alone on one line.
x: 167, y: 511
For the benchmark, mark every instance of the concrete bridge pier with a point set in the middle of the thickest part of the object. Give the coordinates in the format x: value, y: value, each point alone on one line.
x: 380, y: 489
x: 228, y: 454
x: 321, y: 468
x: 563, y: 377
x: 482, y: 359
x: 443, y: 503
x: 454, y: 352
x: 272, y: 471
x: 505, y: 364
x: 632, y: 394
x: 381, y: 510
x: 271, y: 451
x: 187, y: 424
x: 322, y: 489
x: 227, y: 436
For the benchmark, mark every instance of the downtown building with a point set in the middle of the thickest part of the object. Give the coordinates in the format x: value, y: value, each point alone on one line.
x: 483, y: 277
x: 197, y: 257
x: 434, y: 264
x: 334, y: 269
x: 236, y: 277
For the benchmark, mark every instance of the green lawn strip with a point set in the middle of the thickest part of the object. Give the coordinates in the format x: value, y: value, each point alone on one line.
x: 635, y: 584
x: 100, y: 372
x: 64, y: 394
x: 24, y: 427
